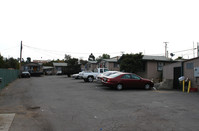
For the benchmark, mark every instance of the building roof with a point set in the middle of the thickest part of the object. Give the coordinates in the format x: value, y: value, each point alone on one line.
x: 47, y: 67
x: 60, y: 64
x: 145, y: 57
x: 92, y: 62
x: 191, y: 59
x: 110, y: 60
x: 32, y: 64
x: 156, y: 58
x: 41, y: 61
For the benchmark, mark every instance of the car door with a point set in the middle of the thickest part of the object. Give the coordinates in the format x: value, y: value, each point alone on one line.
x: 126, y: 80
x: 135, y: 81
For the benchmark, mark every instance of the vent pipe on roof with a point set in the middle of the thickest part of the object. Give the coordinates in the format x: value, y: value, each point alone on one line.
x: 166, y: 52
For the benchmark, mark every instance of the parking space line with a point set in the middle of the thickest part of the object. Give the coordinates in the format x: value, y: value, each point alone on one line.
x: 6, y: 121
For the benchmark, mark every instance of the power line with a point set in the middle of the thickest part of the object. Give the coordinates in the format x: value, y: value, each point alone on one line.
x: 52, y: 55
x: 176, y: 51
x: 59, y: 52
x: 9, y: 48
x: 184, y: 50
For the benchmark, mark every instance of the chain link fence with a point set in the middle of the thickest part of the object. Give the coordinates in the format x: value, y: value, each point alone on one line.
x: 7, y: 76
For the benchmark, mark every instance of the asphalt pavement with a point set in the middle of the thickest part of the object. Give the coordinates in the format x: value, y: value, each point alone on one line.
x: 59, y: 103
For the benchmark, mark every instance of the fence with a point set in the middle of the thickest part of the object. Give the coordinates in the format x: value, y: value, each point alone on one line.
x: 7, y: 76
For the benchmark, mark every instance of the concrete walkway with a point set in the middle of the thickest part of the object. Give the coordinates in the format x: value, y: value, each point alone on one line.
x: 6, y: 121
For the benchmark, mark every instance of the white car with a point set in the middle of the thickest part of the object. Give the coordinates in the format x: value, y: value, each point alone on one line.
x: 108, y: 73
x: 81, y: 74
x: 76, y: 76
x: 90, y: 76
x: 59, y: 73
x: 25, y: 74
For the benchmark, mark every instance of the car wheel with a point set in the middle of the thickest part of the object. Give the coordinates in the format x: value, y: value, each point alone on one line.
x: 119, y: 87
x: 90, y: 79
x: 147, y: 87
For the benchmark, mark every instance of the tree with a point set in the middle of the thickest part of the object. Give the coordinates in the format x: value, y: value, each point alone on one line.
x: 104, y: 56
x: 180, y: 58
x: 72, y: 62
x: 83, y: 62
x: 9, y: 63
x: 1, y: 62
x: 131, y: 62
x: 67, y: 57
x: 72, y: 66
x: 91, y: 57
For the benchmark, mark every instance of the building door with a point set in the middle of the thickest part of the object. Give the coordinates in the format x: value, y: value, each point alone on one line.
x: 176, y: 75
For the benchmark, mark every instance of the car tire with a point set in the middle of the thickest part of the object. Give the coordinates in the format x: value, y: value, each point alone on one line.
x: 119, y: 87
x: 90, y: 79
x: 147, y: 87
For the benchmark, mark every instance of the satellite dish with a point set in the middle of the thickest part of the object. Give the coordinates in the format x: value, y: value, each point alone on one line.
x: 171, y: 54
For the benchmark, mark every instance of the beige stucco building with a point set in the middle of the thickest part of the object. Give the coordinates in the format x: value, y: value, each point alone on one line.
x: 184, y: 68
x: 111, y: 64
x: 153, y: 67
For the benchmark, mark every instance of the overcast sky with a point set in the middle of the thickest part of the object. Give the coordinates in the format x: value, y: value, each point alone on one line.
x: 51, y: 28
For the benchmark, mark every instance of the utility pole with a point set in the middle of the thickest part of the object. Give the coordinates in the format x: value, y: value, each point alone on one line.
x: 197, y: 49
x: 20, y: 56
x: 166, y: 52
x: 193, y: 50
x: 122, y: 52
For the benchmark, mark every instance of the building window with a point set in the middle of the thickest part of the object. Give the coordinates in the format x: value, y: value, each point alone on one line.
x: 116, y: 65
x: 160, y: 66
x: 189, y: 65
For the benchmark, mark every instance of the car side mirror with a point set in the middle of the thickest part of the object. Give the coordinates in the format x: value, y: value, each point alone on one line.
x: 0, y: 80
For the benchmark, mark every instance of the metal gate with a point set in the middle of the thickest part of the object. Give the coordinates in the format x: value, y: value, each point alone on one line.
x: 7, y: 76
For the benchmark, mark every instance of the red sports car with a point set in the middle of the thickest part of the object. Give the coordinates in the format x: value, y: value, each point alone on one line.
x: 121, y: 80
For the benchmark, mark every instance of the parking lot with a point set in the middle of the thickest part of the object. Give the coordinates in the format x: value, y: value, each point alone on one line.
x: 59, y: 103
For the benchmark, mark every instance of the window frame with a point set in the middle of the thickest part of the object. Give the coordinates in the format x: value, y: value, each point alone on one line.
x: 160, y: 66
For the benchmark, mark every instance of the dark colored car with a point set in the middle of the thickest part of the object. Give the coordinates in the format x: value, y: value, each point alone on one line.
x: 25, y: 74
x: 121, y: 80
